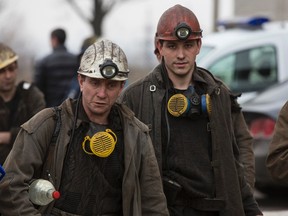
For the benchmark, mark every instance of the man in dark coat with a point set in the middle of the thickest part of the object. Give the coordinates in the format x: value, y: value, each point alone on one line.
x: 18, y: 102
x: 191, y: 116
x: 55, y: 72
x: 102, y: 162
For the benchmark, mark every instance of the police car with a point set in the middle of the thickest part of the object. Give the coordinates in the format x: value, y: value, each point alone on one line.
x: 248, y: 57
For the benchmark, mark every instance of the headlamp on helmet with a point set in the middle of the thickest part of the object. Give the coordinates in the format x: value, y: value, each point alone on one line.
x: 108, y: 69
x: 182, y: 31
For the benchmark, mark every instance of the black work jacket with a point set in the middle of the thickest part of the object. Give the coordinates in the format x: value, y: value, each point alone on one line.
x: 145, y: 98
x: 29, y: 100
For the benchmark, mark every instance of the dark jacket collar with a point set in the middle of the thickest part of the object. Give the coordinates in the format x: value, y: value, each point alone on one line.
x: 60, y: 48
x: 200, y: 75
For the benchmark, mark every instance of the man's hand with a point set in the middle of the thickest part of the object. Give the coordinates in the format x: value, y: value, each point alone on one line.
x: 5, y: 137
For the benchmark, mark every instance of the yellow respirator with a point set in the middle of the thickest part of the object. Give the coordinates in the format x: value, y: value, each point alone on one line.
x: 101, y: 144
x: 179, y: 105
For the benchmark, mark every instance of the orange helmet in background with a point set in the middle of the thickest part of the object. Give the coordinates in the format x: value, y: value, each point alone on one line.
x: 178, y: 23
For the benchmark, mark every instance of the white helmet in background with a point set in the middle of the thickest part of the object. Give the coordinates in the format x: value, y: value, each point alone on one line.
x: 7, y: 56
x: 104, y: 60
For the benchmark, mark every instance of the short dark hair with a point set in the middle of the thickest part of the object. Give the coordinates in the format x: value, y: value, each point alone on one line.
x: 60, y: 34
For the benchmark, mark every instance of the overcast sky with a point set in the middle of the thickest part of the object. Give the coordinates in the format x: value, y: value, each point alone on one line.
x: 133, y: 24
x: 27, y: 24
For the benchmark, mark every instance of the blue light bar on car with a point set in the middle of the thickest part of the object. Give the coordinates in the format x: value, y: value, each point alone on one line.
x: 247, y: 23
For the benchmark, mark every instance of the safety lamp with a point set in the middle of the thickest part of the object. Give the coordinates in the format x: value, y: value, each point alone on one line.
x: 108, y: 69
x: 182, y: 31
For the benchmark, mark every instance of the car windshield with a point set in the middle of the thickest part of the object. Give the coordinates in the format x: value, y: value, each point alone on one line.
x: 204, y: 51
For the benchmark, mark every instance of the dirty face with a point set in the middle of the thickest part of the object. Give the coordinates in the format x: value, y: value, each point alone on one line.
x: 98, y: 96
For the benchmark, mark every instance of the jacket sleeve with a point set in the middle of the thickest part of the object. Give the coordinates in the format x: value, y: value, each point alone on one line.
x: 36, y: 99
x: 21, y: 166
x: 142, y: 183
x: 245, y: 144
x: 277, y: 159
x: 244, y: 160
x: 250, y: 204
x: 152, y: 195
x: 35, y: 102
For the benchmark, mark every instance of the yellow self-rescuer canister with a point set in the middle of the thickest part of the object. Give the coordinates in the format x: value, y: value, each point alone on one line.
x: 102, y: 144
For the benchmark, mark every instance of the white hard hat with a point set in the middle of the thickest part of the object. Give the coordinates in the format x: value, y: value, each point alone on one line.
x: 7, y: 56
x: 104, y: 60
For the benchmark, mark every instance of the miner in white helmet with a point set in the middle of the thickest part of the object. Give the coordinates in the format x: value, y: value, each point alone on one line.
x: 95, y: 152
x: 19, y: 101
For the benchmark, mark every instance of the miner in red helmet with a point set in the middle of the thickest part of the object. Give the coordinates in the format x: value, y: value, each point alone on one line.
x: 191, y: 116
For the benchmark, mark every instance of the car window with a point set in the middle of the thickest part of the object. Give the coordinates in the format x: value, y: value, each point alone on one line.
x: 204, y: 51
x: 248, y: 70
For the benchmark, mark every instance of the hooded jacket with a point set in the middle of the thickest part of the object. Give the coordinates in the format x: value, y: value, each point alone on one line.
x: 141, y: 185
x: 145, y: 98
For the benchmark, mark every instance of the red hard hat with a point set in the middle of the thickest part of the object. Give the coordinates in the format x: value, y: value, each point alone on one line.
x: 178, y: 23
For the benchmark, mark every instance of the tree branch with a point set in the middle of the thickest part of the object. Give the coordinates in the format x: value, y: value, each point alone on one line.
x: 78, y: 10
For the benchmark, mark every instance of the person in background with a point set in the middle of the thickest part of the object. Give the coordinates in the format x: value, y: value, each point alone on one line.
x: 53, y: 74
x: 74, y: 89
x: 277, y: 158
x: 191, y: 118
x: 103, y: 161
x: 18, y: 102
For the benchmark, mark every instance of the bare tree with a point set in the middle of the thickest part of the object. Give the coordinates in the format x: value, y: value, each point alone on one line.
x: 100, y: 10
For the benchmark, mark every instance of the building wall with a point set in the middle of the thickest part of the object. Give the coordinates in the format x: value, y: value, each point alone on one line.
x: 274, y: 9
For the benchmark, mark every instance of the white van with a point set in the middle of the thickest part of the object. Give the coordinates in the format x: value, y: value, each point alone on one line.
x: 247, y: 59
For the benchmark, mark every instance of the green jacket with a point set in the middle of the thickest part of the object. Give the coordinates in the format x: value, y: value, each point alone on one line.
x: 145, y: 98
x: 141, y: 186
